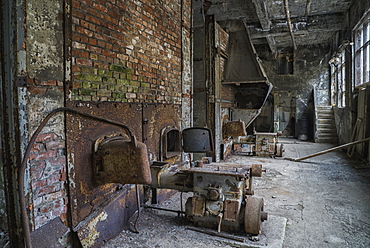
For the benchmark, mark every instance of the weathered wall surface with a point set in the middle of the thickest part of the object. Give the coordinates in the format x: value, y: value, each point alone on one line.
x: 131, y: 62
x: 127, y: 51
x: 293, y: 92
x: 44, y: 70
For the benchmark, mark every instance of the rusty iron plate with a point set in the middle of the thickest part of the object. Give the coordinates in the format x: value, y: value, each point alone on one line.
x: 49, y: 234
x: 81, y: 134
x: 109, y: 220
x: 231, y: 210
x: 197, y: 140
x: 156, y: 118
x: 198, y: 203
x: 234, y: 128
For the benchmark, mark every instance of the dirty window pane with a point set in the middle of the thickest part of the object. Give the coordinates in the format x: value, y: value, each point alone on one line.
x: 362, y: 52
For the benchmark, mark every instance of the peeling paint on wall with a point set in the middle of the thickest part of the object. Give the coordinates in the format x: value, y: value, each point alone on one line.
x: 44, y: 39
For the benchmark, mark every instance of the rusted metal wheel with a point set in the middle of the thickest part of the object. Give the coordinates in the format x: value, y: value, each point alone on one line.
x: 254, y: 215
x: 279, y: 150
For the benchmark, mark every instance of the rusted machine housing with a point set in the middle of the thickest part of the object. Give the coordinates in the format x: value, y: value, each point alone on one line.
x: 261, y: 144
x: 119, y: 158
x: 223, y: 193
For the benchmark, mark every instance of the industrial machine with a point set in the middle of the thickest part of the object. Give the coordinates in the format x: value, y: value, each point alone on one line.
x: 260, y: 144
x: 223, y: 193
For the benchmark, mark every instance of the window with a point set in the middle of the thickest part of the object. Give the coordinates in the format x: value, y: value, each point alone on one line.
x: 338, y: 80
x: 362, y: 51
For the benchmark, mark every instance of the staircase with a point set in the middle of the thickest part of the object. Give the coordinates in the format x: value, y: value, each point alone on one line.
x: 326, y: 130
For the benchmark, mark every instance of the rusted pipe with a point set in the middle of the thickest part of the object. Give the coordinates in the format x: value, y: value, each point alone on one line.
x: 328, y: 150
x: 136, y: 229
x: 168, y: 210
x: 219, y: 234
x: 22, y: 169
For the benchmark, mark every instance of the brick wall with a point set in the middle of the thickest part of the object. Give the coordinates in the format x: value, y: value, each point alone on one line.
x: 48, y: 176
x: 126, y: 51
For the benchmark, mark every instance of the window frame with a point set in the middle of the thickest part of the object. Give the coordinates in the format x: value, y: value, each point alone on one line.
x: 361, y: 52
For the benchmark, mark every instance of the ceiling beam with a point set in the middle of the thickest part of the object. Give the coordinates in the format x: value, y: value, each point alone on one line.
x: 265, y: 22
x: 320, y: 23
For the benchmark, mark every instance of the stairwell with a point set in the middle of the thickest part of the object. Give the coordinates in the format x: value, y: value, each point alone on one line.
x: 326, y: 131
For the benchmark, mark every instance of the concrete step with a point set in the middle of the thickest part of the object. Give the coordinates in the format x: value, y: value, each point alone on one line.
x: 330, y: 140
x: 324, y: 135
x: 326, y: 121
x: 325, y: 116
x: 326, y: 131
x: 326, y: 126
x: 324, y: 107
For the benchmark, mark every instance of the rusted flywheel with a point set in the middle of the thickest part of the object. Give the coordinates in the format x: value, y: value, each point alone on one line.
x: 254, y: 215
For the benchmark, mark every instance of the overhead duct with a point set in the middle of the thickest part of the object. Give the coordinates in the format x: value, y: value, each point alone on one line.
x: 243, y: 65
x: 244, y: 70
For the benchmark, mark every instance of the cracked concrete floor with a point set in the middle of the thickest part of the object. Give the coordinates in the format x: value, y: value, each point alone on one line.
x: 325, y: 200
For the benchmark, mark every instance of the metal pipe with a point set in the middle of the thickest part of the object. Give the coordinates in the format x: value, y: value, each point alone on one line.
x: 22, y: 169
x: 136, y: 230
x: 219, y: 234
x: 166, y: 209
x: 328, y: 150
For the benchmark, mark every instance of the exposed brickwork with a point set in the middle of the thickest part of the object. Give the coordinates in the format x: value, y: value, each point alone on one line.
x: 48, y: 177
x: 228, y: 94
x: 127, y: 51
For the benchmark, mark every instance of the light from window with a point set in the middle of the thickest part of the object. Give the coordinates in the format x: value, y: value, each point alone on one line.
x: 362, y: 52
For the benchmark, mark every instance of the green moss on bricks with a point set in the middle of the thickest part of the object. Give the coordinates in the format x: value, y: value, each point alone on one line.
x: 80, y: 76
x: 95, y: 85
x: 119, y: 95
x: 89, y: 70
x: 86, y: 84
x: 129, y: 76
x: 94, y: 78
x: 128, y: 70
x: 123, y: 82
x: 75, y: 92
x: 144, y: 85
x: 87, y: 92
x: 135, y: 84
x: 110, y: 86
x: 116, y: 68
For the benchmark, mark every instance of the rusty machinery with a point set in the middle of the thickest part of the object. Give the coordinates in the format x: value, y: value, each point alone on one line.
x: 223, y: 193
x: 260, y: 144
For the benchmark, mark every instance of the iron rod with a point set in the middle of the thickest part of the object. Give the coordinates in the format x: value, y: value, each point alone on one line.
x: 328, y: 150
x: 219, y: 234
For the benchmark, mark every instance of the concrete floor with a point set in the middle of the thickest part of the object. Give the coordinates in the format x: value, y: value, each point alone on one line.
x: 324, y: 202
